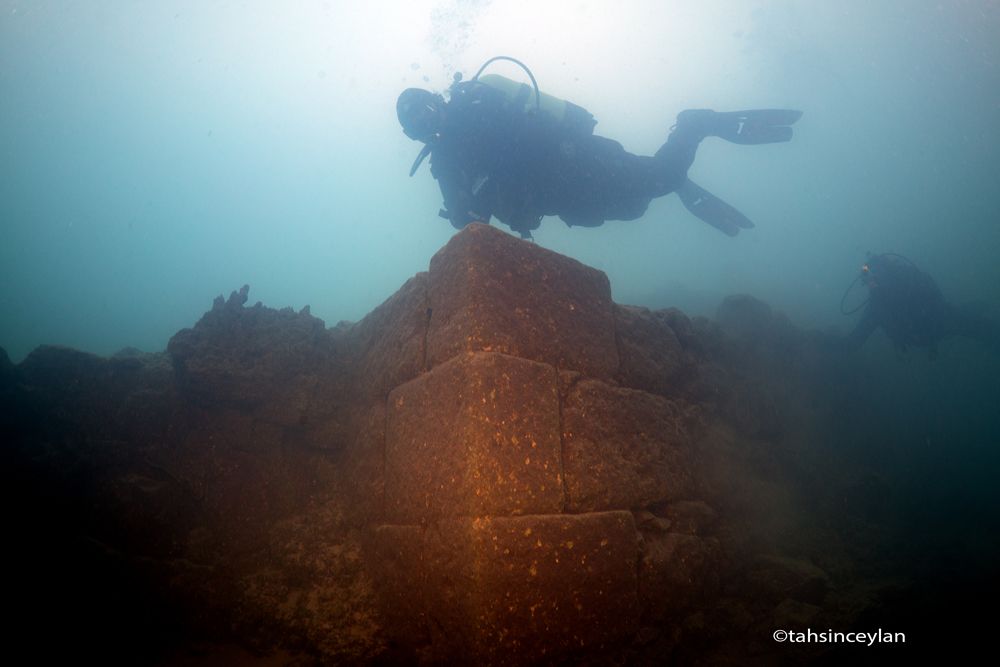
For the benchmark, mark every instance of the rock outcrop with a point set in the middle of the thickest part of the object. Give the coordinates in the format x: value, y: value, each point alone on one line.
x: 498, y: 465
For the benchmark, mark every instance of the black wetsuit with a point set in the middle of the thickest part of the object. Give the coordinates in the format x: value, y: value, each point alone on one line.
x: 495, y: 159
x: 907, y: 304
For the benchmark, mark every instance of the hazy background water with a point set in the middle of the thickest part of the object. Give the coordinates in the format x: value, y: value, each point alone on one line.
x: 157, y: 154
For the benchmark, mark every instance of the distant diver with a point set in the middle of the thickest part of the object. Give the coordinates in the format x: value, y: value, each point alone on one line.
x: 907, y: 304
x: 503, y: 149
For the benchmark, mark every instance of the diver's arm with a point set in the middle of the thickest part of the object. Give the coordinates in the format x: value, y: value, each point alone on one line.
x: 463, y: 202
x: 475, y: 138
x: 863, y: 330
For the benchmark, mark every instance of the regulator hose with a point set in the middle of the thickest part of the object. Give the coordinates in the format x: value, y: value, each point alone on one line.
x: 538, y: 94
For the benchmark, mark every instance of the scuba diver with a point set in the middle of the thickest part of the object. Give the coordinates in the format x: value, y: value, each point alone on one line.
x: 907, y: 304
x: 503, y: 149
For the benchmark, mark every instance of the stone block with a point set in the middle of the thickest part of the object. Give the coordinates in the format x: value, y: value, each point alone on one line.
x: 492, y: 292
x: 676, y: 572
x: 362, y: 462
x: 777, y: 577
x: 623, y: 449
x: 477, y: 435
x: 652, y: 357
x: 508, y: 590
x: 389, y: 342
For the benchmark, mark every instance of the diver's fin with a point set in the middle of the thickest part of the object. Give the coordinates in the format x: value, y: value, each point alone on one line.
x: 708, y: 208
x: 755, y: 126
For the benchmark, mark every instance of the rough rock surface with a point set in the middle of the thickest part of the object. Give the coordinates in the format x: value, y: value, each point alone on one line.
x: 495, y: 293
x: 499, y: 590
x: 478, y: 435
x: 498, y: 465
x: 625, y: 449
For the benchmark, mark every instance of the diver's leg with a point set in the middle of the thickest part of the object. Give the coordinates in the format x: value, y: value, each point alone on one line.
x: 676, y: 156
x: 672, y: 163
x: 755, y: 126
x: 601, y: 181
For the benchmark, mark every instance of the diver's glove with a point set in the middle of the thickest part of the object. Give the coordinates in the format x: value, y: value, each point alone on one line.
x: 460, y: 220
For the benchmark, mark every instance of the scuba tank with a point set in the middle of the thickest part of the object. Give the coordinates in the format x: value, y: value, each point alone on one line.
x: 869, y: 269
x: 571, y: 117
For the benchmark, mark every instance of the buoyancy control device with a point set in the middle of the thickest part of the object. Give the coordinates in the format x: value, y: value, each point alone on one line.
x: 573, y: 119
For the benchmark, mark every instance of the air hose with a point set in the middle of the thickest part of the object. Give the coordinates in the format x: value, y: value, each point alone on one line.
x: 538, y: 94
x: 855, y: 281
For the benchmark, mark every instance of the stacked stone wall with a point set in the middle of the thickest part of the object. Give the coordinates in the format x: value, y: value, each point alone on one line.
x: 514, y: 464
